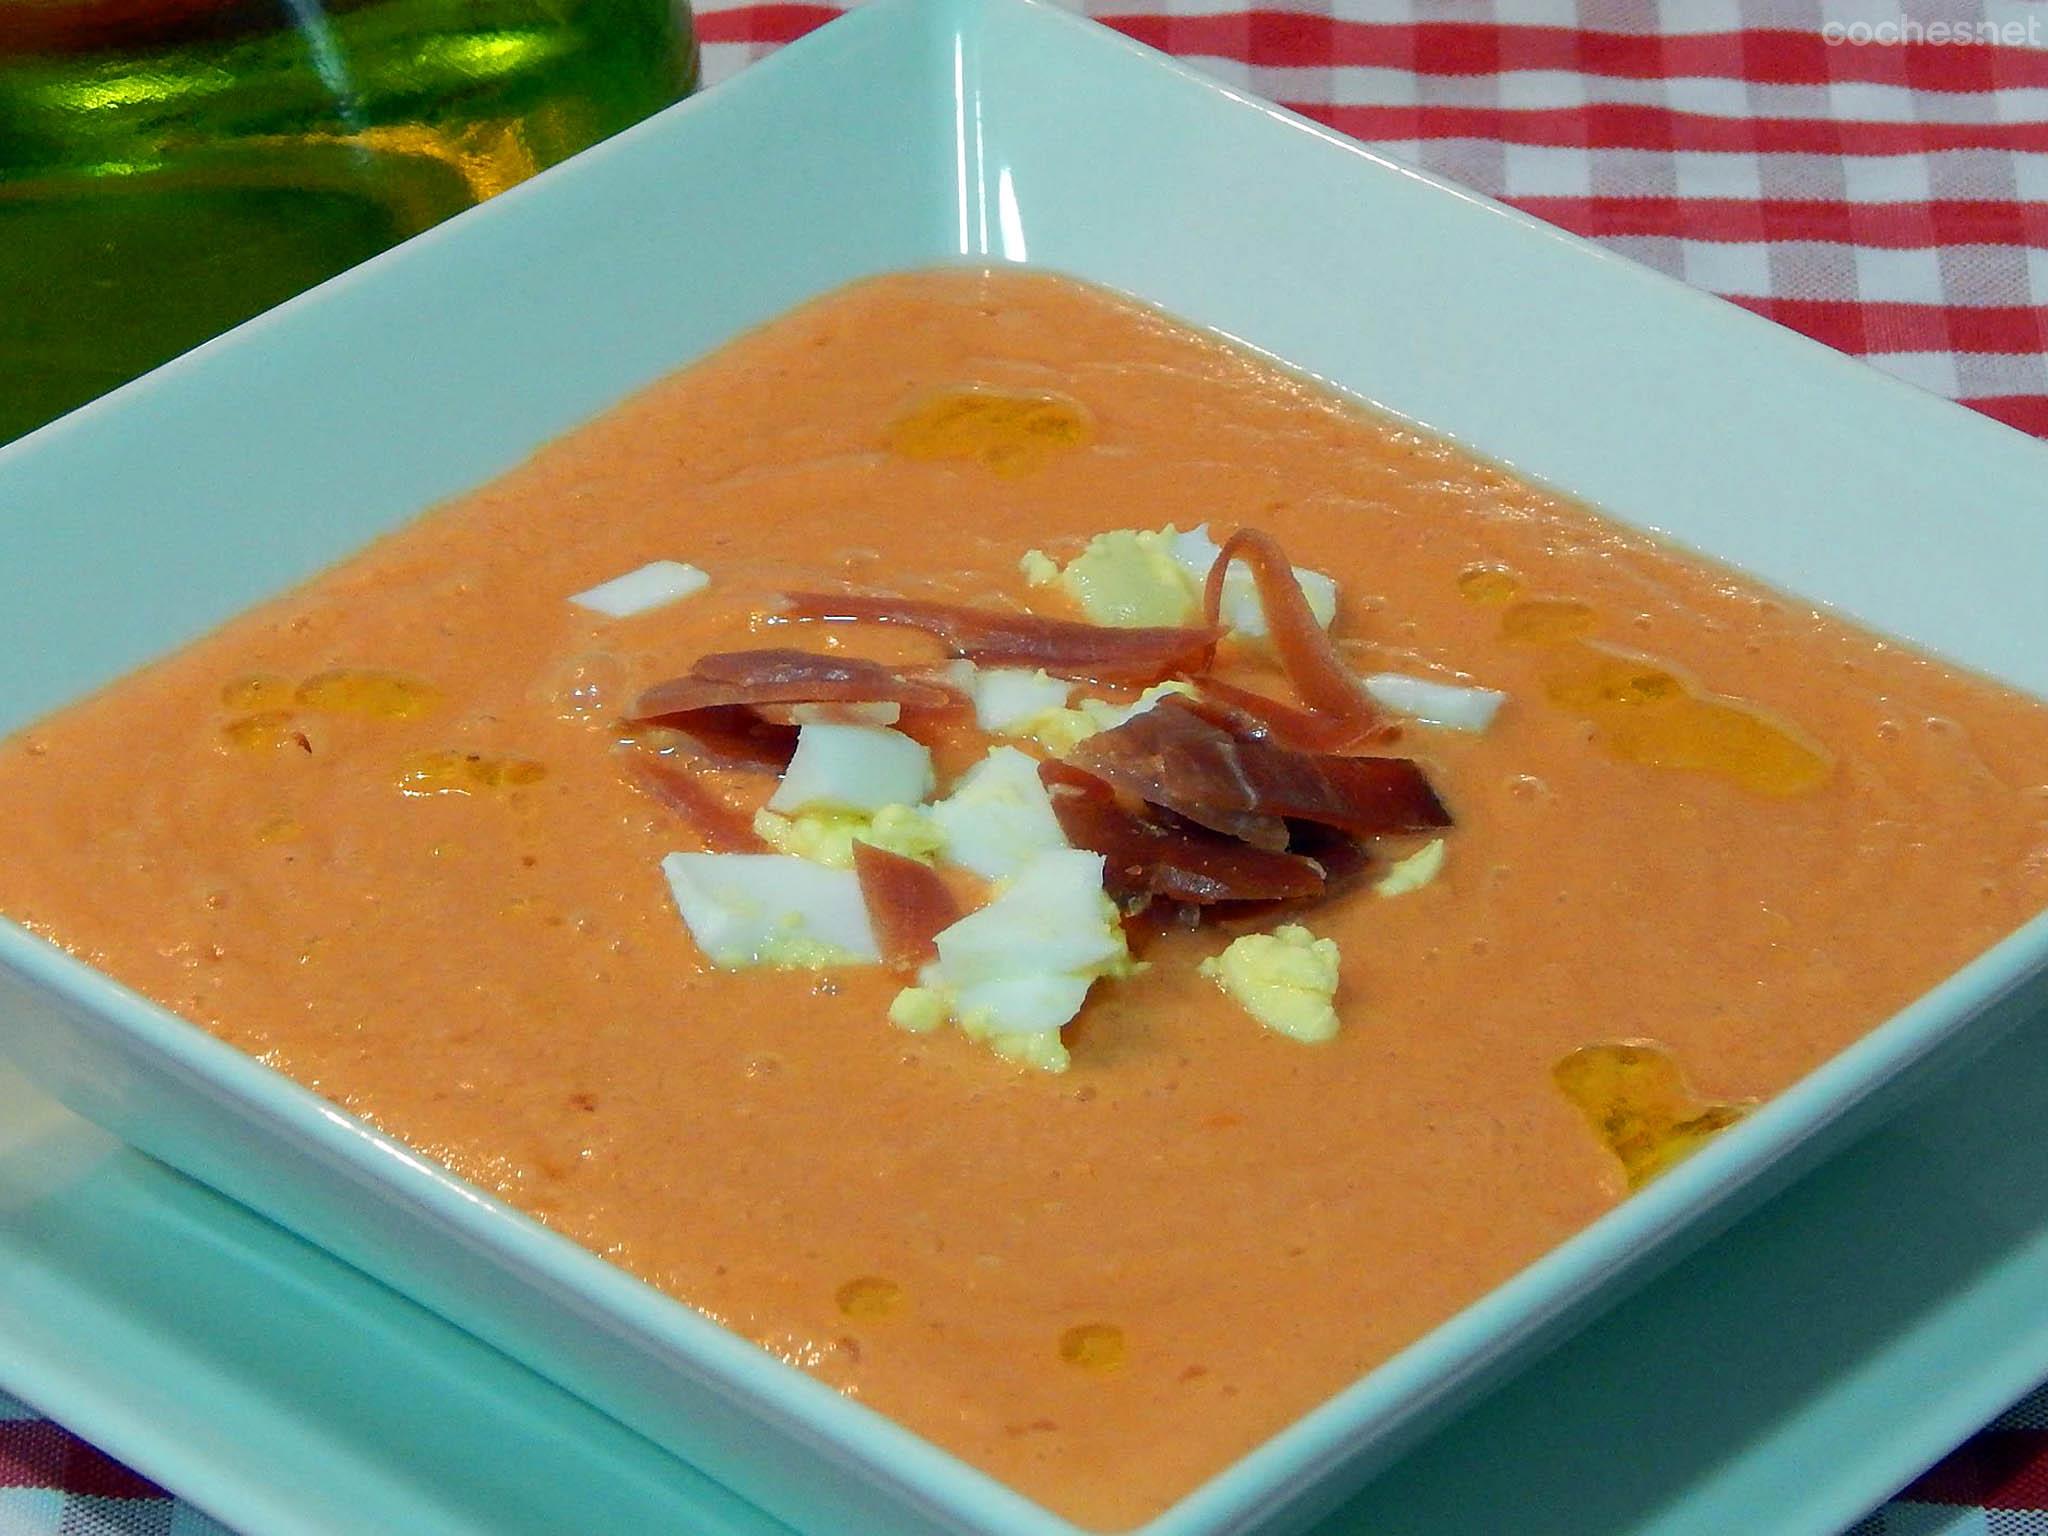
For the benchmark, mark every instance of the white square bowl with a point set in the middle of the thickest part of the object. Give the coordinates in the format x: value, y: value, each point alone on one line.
x: 912, y: 133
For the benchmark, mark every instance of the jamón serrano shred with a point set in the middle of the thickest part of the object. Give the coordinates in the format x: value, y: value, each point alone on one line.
x: 718, y: 826
x: 908, y: 905
x: 1171, y: 757
x: 1134, y: 758
x: 1364, y: 796
x: 738, y: 706
x: 1244, y: 712
x: 735, y: 736
x: 995, y: 638
x: 1304, y: 647
x: 1150, y: 853
x: 786, y: 676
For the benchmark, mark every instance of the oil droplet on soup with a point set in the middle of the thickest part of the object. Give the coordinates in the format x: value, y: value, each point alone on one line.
x: 374, y: 695
x: 1636, y: 1100
x: 265, y: 732
x: 258, y: 692
x: 1009, y: 432
x: 1093, y: 1346
x: 1488, y: 585
x: 870, y: 1298
x: 1547, y: 621
x: 280, y: 829
x: 465, y: 773
x: 1648, y: 715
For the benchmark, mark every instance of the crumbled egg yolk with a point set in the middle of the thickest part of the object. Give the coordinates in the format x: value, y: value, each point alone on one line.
x: 1039, y: 568
x: 1132, y: 577
x: 923, y: 1010
x: 1129, y: 577
x: 1286, y: 979
x: 1414, y: 872
x: 1059, y: 731
x: 827, y: 836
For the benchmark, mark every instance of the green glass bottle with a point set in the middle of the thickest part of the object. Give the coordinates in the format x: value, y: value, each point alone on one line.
x: 171, y: 167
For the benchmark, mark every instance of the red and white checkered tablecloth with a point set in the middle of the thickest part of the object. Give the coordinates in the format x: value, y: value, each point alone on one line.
x: 1871, y: 172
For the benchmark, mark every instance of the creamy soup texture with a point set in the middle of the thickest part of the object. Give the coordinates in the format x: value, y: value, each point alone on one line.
x: 376, y: 834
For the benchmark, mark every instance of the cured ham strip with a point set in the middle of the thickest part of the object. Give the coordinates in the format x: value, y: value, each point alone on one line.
x: 734, y: 736
x: 1245, y: 713
x: 721, y: 828
x: 1147, y: 854
x: 908, y: 904
x: 1364, y: 796
x: 742, y: 708
x: 985, y: 635
x: 1304, y: 647
x: 1136, y: 756
x: 1170, y: 756
x: 786, y: 676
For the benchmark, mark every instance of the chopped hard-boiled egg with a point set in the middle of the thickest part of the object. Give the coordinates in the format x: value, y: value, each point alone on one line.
x: 771, y: 909
x: 1129, y: 577
x: 1413, y: 872
x: 1058, y: 730
x: 1015, y: 971
x: 1005, y: 697
x: 651, y: 586
x: 828, y: 836
x: 853, y: 768
x: 1134, y: 576
x: 1286, y: 979
x: 999, y: 816
x: 1432, y: 703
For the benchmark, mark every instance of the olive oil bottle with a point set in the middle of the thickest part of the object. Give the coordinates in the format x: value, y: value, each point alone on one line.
x: 171, y: 167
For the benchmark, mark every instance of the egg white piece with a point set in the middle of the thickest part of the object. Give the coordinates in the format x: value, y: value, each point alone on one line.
x: 1446, y: 704
x: 1006, y: 697
x: 771, y: 909
x: 1241, y: 609
x: 999, y: 816
x: 1023, y: 1005
x: 1419, y: 869
x: 855, y: 768
x: 1024, y: 963
x: 652, y: 586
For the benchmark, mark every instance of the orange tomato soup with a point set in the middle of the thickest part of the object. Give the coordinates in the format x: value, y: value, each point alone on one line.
x: 375, y: 833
